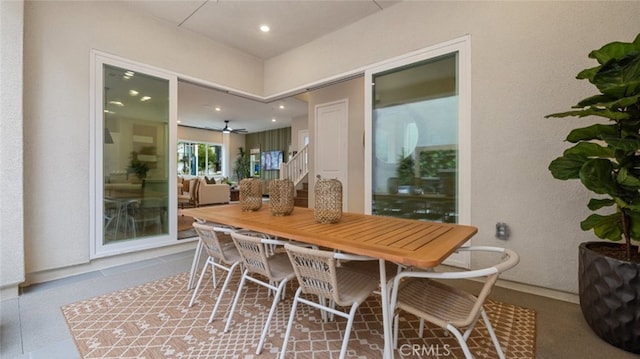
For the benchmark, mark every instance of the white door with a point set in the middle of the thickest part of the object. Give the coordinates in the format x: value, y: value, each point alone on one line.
x: 331, y: 134
x: 303, y: 138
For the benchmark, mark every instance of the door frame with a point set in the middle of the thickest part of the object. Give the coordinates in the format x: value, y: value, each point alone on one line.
x: 96, y: 183
x: 461, y: 46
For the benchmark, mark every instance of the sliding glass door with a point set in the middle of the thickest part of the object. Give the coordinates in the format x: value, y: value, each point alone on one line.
x: 418, y: 121
x: 135, y: 195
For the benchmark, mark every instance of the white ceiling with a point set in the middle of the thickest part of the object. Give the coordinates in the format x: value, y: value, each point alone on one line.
x: 196, y: 107
x: 236, y: 23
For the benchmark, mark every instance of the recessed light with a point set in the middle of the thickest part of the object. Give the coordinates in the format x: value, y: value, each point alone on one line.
x: 264, y: 28
x: 282, y: 107
x: 218, y: 109
x: 145, y: 98
x: 273, y: 120
x: 133, y: 92
x: 129, y: 73
x: 117, y: 103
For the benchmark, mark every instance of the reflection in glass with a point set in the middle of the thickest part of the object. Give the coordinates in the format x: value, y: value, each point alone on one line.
x: 135, y: 155
x: 415, y: 141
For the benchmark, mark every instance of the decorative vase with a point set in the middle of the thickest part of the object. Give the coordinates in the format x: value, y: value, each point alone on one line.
x: 281, y: 197
x: 609, y: 294
x: 328, y: 201
x: 250, y: 194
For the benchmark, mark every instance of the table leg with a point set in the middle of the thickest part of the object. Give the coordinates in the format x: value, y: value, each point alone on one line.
x: 194, y: 264
x: 386, y: 316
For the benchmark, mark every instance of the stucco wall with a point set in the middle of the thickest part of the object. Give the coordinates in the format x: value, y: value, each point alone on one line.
x: 12, y: 269
x: 58, y: 40
x: 524, y: 58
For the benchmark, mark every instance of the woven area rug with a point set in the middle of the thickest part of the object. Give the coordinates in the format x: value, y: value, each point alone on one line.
x: 154, y: 321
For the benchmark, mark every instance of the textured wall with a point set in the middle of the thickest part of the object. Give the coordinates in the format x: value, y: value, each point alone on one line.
x: 12, y: 269
x: 58, y: 40
x: 524, y: 58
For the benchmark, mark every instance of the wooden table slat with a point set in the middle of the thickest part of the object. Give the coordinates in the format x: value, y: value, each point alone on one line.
x: 405, y: 241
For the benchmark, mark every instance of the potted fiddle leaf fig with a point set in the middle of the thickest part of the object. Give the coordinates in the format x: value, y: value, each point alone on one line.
x: 605, y: 157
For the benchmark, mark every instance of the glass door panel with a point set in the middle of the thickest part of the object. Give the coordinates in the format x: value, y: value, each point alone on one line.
x: 135, y: 155
x: 415, y: 140
x: 133, y: 185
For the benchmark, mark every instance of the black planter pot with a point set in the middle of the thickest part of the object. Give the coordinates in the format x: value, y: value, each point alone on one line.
x: 610, y: 296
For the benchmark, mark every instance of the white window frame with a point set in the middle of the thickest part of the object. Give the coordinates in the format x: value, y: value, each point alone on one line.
x: 96, y: 184
x: 461, y: 46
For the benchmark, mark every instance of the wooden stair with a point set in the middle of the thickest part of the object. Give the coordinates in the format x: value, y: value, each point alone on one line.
x: 301, y: 198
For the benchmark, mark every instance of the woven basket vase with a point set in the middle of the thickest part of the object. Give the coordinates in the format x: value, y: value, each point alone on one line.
x: 281, y: 197
x: 250, y: 194
x: 328, y: 201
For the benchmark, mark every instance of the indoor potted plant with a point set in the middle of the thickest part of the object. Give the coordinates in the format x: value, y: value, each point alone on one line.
x: 138, y: 167
x: 242, y: 165
x: 605, y: 157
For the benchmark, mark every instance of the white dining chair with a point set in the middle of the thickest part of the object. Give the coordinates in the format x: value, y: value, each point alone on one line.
x: 261, y: 261
x: 423, y: 294
x: 221, y: 255
x: 319, y: 275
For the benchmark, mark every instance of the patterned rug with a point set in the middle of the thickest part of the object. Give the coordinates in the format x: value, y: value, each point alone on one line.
x: 154, y: 321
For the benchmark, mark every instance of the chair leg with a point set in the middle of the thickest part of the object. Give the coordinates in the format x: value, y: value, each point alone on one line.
x: 396, y: 319
x: 347, y: 331
x: 235, y: 300
x: 463, y: 343
x: 492, y: 333
x: 195, y: 292
x: 276, y: 300
x: 290, y: 323
x: 224, y: 288
x: 194, y: 264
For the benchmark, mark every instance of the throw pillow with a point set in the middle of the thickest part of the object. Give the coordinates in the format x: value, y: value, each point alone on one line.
x: 210, y: 181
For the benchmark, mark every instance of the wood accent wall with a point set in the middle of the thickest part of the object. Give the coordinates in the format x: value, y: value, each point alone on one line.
x: 273, y: 140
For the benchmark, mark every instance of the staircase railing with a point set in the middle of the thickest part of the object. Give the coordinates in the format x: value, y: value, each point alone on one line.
x: 296, y: 169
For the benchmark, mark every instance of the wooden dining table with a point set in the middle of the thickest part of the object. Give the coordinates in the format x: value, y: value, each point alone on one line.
x: 403, y: 241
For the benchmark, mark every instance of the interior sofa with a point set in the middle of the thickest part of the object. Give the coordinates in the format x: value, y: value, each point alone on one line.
x: 212, y: 193
x: 198, y: 192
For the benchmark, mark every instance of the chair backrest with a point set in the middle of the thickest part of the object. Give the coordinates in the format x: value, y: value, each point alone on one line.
x: 490, y: 274
x: 253, y: 253
x: 509, y: 260
x: 212, y: 245
x: 315, y: 270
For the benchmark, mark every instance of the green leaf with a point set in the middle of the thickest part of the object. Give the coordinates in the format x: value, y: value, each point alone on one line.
x: 595, y: 204
x: 613, y: 51
x: 564, y: 168
x: 588, y: 73
x: 605, y: 227
x: 597, y: 176
x: 635, y: 224
x: 589, y: 149
x: 626, y: 179
x: 604, y: 101
x: 622, y: 144
x: 593, y: 132
x: 619, y: 78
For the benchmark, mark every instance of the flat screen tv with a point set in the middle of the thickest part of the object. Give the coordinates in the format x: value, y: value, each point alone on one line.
x: 271, y: 160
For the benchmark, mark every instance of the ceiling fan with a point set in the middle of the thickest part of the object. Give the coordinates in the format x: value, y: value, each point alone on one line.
x: 228, y: 129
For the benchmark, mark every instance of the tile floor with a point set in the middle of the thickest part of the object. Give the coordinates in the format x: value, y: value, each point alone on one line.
x: 32, y: 325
